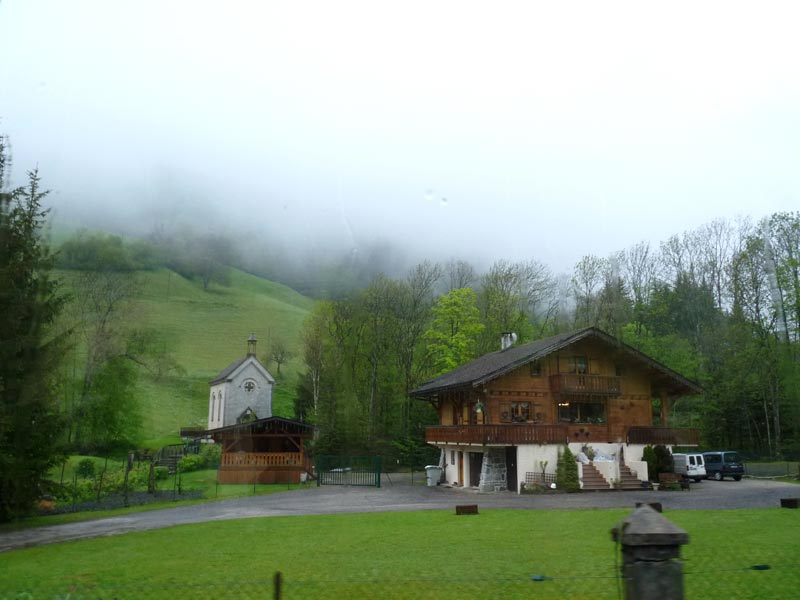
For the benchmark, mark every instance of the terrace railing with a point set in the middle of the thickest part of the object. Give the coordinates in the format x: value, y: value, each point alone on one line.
x: 594, y: 385
x: 668, y: 436
x: 262, y: 459
x: 497, y: 434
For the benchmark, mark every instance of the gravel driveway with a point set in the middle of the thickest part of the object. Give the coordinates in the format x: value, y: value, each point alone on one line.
x: 397, y: 494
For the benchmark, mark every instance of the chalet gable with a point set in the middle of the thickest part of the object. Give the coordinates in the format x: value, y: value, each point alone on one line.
x: 491, y: 366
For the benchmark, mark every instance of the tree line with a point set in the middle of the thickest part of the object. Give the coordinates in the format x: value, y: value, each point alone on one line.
x: 719, y: 304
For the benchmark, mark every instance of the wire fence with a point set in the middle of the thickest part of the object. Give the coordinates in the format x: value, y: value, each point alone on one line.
x: 769, y: 470
x: 705, y: 577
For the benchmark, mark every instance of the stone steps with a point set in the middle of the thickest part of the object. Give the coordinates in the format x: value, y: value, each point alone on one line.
x: 593, y: 481
x: 628, y: 481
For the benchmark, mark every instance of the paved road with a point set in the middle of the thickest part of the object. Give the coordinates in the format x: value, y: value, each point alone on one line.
x: 399, y: 495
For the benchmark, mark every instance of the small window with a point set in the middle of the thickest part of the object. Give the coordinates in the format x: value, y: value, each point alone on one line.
x: 520, y: 411
x: 619, y: 370
x: 249, y: 385
x: 578, y: 365
x: 536, y: 368
x: 452, y: 457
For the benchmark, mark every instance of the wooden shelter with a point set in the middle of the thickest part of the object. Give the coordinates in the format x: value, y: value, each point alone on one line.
x: 270, y: 450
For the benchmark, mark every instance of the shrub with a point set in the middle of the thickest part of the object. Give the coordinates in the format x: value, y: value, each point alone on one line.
x: 664, y: 461
x: 649, y: 456
x: 212, y: 455
x: 85, y: 468
x: 567, y: 472
x: 161, y: 473
x: 191, y: 462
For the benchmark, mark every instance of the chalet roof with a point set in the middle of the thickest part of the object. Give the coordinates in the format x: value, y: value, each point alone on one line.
x: 495, y: 364
x: 268, y: 424
x: 228, y: 371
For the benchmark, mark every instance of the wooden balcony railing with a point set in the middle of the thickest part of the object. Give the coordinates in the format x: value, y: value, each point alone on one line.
x: 497, y: 434
x: 262, y: 459
x: 595, y: 385
x: 664, y: 435
x: 487, y: 435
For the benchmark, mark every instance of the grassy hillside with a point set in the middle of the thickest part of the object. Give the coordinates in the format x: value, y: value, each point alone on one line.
x: 208, y: 330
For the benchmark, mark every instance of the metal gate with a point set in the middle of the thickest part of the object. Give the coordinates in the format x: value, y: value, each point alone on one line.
x: 349, y: 470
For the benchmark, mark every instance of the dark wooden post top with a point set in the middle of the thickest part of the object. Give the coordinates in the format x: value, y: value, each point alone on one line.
x: 647, y: 527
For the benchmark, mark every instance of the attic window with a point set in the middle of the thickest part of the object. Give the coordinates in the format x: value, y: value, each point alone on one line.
x: 578, y: 364
x: 536, y: 368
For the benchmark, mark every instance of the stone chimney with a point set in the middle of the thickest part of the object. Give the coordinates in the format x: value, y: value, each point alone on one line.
x: 507, y: 340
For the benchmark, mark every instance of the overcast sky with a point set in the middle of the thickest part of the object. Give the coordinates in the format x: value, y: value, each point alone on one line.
x: 542, y: 130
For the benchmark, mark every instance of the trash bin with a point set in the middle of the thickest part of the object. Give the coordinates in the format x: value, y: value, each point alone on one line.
x: 434, y: 473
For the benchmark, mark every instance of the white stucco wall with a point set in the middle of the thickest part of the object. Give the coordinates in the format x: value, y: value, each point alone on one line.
x: 236, y: 399
x: 529, y: 459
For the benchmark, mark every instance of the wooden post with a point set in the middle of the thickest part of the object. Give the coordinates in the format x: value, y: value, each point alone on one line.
x: 651, y: 547
x: 278, y: 584
x: 664, y: 407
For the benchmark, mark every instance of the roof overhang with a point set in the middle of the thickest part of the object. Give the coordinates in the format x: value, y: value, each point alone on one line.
x: 665, y: 378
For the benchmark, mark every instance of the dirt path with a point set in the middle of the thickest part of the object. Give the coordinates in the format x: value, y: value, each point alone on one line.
x: 400, y: 495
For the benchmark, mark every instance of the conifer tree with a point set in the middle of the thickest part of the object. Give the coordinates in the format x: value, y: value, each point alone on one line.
x: 30, y: 425
x: 567, y: 471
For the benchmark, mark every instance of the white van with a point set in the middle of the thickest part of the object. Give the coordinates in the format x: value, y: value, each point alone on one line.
x: 691, y: 466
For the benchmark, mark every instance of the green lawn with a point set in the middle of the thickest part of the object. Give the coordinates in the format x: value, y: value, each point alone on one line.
x: 428, y: 554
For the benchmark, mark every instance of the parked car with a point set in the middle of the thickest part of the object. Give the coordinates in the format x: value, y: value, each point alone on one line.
x: 723, y: 464
x: 690, y: 466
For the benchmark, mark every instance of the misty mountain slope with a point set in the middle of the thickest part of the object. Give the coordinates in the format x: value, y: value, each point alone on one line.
x: 206, y: 331
x: 209, y: 329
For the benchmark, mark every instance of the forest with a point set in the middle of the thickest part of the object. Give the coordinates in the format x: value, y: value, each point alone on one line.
x: 719, y: 304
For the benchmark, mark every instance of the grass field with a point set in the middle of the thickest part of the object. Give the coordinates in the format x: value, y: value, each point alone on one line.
x: 207, y: 331
x: 428, y: 554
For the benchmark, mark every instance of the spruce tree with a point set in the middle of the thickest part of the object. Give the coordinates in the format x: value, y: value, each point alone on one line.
x: 567, y: 471
x: 30, y: 426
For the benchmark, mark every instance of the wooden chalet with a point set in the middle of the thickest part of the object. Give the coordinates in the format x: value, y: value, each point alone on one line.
x: 504, y: 415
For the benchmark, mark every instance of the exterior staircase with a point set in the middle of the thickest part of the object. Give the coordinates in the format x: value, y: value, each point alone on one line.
x: 593, y: 481
x: 169, y: 456
x: 627, y: 480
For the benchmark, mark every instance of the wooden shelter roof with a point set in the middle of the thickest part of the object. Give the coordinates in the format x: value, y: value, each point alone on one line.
x: 272, y: 425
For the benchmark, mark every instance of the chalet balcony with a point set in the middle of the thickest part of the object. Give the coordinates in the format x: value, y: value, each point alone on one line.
x: 668, y: 436
x: 589, y: 385
x: 251, y: 460
x: 487, y: 435
x: 517, y: 434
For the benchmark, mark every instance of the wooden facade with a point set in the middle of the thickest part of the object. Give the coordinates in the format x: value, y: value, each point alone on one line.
x: 589, y: 389
x: 271, y: 450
